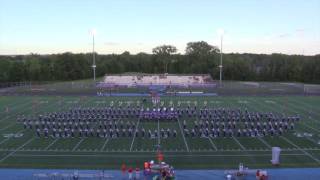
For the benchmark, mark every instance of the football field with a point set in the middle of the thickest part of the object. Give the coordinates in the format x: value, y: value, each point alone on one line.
x: 21, y: 147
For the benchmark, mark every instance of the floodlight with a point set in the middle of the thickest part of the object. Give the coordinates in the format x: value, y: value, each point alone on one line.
x: 93, y: 32
x: 220, y: 32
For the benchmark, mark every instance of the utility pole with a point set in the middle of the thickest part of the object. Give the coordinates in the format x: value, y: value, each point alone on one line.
x: 93, y: 56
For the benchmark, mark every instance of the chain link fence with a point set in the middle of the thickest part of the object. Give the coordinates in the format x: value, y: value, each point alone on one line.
x: 226, y: 88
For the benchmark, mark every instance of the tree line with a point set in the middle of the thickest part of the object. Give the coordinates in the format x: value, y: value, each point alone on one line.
x: 199, y: 57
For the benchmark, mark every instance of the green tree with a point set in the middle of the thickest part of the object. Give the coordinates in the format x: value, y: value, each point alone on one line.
x: 201, y: 56
x: 33, y: 68
x: 4, y: 70
x: 200, y: 48
x: 17, y: 72
x: 163, y: 55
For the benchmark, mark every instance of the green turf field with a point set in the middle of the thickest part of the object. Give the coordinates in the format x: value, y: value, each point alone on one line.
x: 29, y: 151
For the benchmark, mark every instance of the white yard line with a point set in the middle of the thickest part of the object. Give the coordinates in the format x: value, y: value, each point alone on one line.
x: 150, y: 155
x: 304, y: 110
x: 310, y: 127
x: 104, y: 144
x: 77, y: 145
x: 16, y: 105
x: 4, y: 140
x: 179, y: 151
x: 306, y: 104
x: 107, y: 140
x: 242, y: 147
x: 159, y: 132
x: 23, y: 110
x: 301, y: 122
x: 184, y: 138
x: 127, y: 151
x: 82, y: 139
x: 12, y: 152
x: 51, y: 144
x: 134, y: 135
x: 235, y: 139
x: 11, y: 105
x: 210, y: 140
x: 264, y: 142
x: 213, y: 145
x: 312, y: 140
x: 15, y: 123
x: 10, y: 125
x: 11, y: 137
x: 305, y: 152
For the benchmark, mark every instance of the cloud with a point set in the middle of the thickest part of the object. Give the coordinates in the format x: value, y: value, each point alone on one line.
x: 300, y: 30
x: 111, y: 43
x: 284, y: 35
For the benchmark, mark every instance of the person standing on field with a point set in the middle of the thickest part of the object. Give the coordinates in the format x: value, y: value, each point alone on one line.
x: 130, y: 170
x: 137, y: 176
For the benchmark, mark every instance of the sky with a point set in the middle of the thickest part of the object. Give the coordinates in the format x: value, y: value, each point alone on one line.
x: 250, y: 26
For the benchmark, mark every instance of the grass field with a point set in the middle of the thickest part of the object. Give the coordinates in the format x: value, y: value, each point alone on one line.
x: 29, y: 151
x: 88, y: 88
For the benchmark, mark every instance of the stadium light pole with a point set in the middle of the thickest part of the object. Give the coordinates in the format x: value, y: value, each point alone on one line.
x: 221, y: 32
x: 93, y: 32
